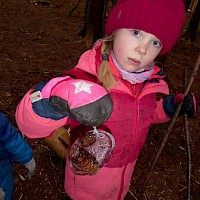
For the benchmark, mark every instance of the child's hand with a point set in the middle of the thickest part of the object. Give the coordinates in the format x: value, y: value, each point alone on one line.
x: 171, y: 102
x: 31, y: 167
x: 81, y: 100
x: 2, y: 194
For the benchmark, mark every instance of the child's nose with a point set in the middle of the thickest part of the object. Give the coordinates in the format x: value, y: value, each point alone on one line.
x: 141, y: 48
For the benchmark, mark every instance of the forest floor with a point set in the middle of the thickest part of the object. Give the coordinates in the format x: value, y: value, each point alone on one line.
x: 39, y: 41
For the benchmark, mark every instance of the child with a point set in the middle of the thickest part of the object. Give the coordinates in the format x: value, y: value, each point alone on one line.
x: 123, y: 63
x: 12, y: 148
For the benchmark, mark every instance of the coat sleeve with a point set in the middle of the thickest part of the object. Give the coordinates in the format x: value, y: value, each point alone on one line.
x: 159, y: 114
x: 31, y: 124
x: 13, y: 143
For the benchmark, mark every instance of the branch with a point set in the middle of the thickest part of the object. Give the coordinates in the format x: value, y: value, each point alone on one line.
x: 187, y: 135
x: 194, y: 73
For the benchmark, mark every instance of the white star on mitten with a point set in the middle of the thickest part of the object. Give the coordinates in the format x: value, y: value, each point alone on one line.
x: 82, y: 86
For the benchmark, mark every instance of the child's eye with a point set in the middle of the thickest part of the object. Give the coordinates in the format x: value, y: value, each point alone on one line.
x: 157, y: 44
x: 136, y: 33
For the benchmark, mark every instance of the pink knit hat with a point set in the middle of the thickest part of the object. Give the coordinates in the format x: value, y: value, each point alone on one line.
x: 162, y: 18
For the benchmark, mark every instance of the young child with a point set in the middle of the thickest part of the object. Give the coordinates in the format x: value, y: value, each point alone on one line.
x: 12, y: 148
x: 123, y: 63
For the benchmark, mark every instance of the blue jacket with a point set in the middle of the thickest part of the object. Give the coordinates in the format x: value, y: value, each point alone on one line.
x: 12, y: 148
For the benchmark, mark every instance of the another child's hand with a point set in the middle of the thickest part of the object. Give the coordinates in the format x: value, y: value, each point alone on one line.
x: 2, y: 194
x: 31, y: 167
x: 171, y: 102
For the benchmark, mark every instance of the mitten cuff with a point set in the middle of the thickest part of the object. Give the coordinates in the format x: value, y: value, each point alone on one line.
x: 169, y: 106
x: 41, y: 101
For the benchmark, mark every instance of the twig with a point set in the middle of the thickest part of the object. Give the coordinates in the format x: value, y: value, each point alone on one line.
x: 177, y: 65
x: 133, y: 195
x: 21, y: 197
x: 45, y: 147
x: 182, y: 189
x: 194, y: 73
x: 188, y: 156
x: 197, y: 182
x: 53, y: 164
x: 187, y: 134
x: 73, y: 7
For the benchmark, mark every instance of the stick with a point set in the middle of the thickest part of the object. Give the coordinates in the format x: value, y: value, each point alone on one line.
x: 73, y: 7
x: 194, y: 73
x: 187, y: 135
x: 188, y: 156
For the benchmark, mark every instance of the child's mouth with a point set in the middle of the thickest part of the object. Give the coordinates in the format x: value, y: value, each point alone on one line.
x: 134, y: 61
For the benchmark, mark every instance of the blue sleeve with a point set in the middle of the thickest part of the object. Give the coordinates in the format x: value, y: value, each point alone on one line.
x: 13, y: 142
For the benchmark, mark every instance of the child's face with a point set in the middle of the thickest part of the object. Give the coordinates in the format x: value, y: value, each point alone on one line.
x: 135, y: 49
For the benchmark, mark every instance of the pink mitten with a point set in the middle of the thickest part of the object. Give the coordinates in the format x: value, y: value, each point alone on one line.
x: 83, y: 101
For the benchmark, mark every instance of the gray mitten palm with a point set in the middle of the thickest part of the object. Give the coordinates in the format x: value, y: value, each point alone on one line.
x: 31, y: 167
x: 2, y: 194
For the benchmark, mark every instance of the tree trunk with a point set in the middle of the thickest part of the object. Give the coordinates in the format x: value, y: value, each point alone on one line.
x: 94, y: 15
x: 194, y: 23
x: 187, y: 4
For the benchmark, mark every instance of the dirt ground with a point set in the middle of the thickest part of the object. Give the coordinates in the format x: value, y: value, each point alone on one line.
x: 38, y: 42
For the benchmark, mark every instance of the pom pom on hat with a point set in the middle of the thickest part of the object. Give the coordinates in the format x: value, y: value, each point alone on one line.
x: 162, y: 18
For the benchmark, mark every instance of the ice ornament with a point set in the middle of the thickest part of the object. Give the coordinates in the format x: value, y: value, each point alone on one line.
x: 91, y: 152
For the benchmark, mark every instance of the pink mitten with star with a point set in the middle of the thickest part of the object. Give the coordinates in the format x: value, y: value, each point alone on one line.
x: 83, y: 101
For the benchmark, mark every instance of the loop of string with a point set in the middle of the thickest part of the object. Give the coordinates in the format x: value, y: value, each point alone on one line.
x: 95, y: 131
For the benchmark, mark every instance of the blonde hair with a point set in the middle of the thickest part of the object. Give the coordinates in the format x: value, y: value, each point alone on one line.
x: 105, y: 76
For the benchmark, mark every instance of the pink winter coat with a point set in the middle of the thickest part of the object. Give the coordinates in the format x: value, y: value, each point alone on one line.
x: 134, y: 109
